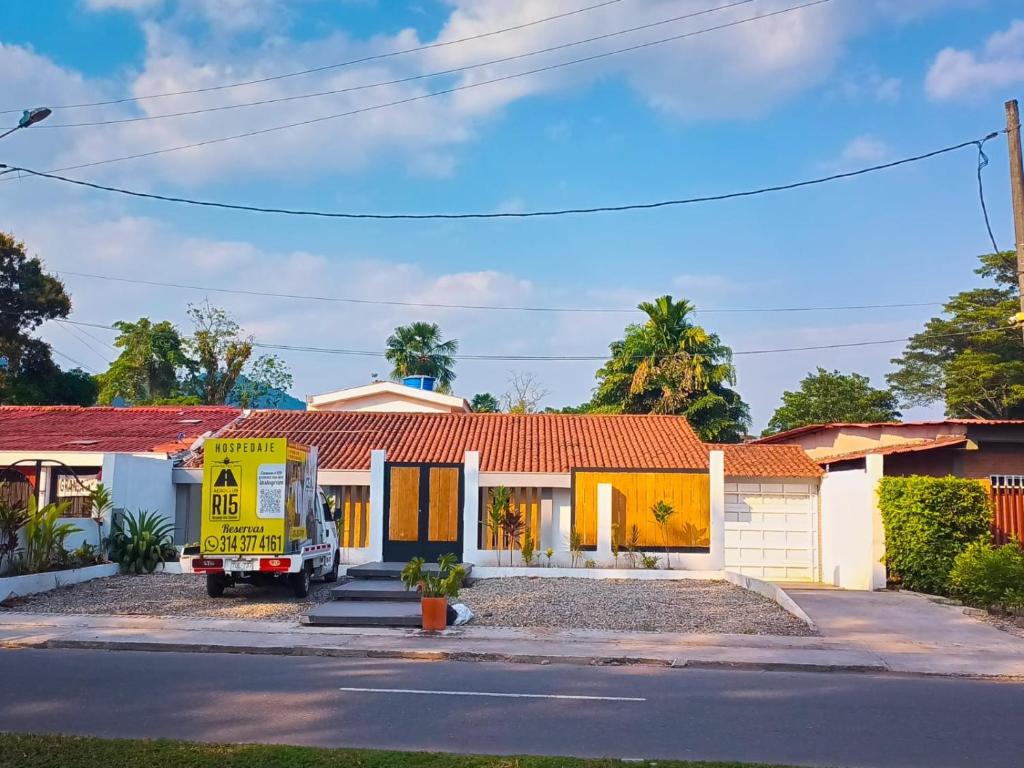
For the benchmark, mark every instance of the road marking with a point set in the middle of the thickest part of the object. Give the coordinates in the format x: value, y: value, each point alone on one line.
x: 493, y: 695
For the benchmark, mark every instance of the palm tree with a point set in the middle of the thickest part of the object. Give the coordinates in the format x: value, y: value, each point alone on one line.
x: 417, y: 350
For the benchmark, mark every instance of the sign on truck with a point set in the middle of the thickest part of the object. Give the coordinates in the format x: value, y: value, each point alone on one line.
x: 263, y: 516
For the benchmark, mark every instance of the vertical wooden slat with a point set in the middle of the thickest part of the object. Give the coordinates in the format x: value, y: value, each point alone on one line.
x: 444, y: 504
x: 403, y: 507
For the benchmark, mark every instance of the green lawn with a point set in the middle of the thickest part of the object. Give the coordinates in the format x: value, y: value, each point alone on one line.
x: 24, y: 750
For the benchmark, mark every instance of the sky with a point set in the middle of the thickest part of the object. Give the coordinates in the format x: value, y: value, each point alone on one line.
x: 819, y: 90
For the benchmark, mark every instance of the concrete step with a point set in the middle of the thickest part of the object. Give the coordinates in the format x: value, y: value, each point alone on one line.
x: 390, y: 570
x: 365, y: 613
x: 374, y: 589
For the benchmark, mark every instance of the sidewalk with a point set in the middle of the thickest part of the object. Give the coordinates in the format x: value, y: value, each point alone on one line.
x: 827, y: 653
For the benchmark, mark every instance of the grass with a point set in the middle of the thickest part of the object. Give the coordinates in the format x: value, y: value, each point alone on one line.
x: 75, y: 752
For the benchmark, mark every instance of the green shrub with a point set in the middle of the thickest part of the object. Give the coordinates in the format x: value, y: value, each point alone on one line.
x: 928, y: 522
x: 989, y: 578
x: 142, y: 542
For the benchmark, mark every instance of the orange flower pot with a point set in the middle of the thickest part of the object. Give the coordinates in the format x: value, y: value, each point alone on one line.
x: 435, y: 613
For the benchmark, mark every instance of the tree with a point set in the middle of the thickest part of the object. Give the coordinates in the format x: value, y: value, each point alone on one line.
x: 417, y: 350
x: 826, y: 397
x: 669, y: 365
x: 524, y: 393
x: 971, y: 359
x: 219, y: 355
x: 28, y: 297
x: 150, y: 367
x: 484, y: 402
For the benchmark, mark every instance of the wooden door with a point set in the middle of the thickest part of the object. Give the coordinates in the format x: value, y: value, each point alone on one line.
x: 422, y: 511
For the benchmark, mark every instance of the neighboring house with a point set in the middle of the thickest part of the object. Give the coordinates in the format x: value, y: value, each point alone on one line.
x: 387, y: 396
x: 408, y: 484
x: 856, y: 456
x: 57, y: 453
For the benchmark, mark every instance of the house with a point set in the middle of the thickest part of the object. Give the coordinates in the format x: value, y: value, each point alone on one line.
x: 856, y: 456
x: 58, y: 453
x: 418, y: 484
x: 414, y: 396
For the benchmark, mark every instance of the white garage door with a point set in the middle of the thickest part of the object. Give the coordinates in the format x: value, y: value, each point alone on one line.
x: 771, y: 529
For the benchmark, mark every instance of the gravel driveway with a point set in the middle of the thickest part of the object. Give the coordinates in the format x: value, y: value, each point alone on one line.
x: 172, y: 595
x: 650, y: 606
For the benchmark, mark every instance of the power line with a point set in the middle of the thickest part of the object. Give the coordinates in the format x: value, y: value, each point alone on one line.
x: 431, y: 94
x: 72, y: 360
x: 76, y: 334
x: 338, y: 65
x: 507, y: 214
x: 487, y: 307
x: 399, y: 81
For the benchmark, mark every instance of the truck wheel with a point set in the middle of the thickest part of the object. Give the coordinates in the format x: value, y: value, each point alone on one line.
x: 300, y: 582
x: 214, y: 585
x: 332, y: 575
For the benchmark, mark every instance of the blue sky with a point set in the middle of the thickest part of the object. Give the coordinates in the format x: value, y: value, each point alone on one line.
x: 829, y: 88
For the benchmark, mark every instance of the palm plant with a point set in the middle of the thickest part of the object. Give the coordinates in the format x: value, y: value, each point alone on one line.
x: 633, y: 544
x: 445, y: 583
x: 500, y: 503
x: 662, y: 511
x: 417, y: 350
x: 45, y: 535
x: 141, y: 542
x: 100, y: 504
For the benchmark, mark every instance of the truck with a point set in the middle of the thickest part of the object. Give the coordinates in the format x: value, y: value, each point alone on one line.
x: 264, y: 518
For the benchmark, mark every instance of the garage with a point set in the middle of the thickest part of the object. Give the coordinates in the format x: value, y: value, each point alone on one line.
x: 771, y: 528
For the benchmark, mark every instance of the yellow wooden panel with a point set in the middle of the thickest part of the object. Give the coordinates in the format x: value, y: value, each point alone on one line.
x: 633, y: 495
x: 524, y: 500
x: 444, y: 504
x: 404, y: 504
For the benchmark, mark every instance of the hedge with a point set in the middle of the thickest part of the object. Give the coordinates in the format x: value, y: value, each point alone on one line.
x: 928, y: 522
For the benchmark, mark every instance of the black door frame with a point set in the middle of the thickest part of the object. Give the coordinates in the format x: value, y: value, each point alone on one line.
x: 403, y: 551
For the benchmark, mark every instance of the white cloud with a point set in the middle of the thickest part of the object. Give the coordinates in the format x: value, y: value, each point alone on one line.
x: 964, y: 75
x: 134, y: 6
x: 859, y: 151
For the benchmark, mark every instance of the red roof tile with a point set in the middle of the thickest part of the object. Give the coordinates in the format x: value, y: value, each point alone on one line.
x: 506, y: 442
x: 949, y: 441
x: 164, y: 429
x: 746, y: 460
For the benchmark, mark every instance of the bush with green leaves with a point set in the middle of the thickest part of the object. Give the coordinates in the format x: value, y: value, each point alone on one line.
x: 445, y: 582
x: 928, y: 522
x: 44, y: 538
x: 12, y: 519
x: 141, y: 542
x: 989, y: 578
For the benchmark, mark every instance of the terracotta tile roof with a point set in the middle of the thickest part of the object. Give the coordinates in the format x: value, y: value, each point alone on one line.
x: 165, y: 429
x: 746, y: 460
x: 949, y: 441
x: 790, y: 434
x: 506, y: 442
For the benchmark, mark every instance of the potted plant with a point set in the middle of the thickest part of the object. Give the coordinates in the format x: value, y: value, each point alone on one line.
x: 435, y: 588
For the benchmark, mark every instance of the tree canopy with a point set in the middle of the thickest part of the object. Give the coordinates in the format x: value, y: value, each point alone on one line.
x: 418, y: 350
x: 150, y: 367
x: 825, y: 397
x: 484, y: 402
x: 670, y: 365
x: 969, y: 359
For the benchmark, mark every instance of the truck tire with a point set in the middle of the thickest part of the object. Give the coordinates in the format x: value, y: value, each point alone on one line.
x: 300, y: 582
x: 332, y: 575
x: 214, y: 585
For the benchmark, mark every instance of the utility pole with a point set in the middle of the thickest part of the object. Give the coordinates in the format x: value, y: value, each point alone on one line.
x: 1016, y: 188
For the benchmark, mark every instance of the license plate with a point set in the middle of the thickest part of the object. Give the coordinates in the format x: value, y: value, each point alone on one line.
x: 245, y: 565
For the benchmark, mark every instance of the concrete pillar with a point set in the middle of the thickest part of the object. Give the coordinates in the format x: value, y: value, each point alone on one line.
x: 471, y: 507
x: 563, y: 525
x: 874, y: 464
x: 548, y: 533
x: 604, y: 522
x: 375, y: 540
x: 716, y: 471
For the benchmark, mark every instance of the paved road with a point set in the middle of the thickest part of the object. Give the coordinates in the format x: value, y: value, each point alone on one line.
x: 798, y: 718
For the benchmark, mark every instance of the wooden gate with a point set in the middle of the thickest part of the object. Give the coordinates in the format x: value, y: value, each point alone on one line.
x: 1007, y: 508
x: 422, y: 511
x: 15, y: 488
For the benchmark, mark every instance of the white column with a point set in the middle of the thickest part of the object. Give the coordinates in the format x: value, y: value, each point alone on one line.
x: 548, y: 533
x: 716, y: 471
x: 375, y: 540
x: 604, y: 522
x: 874, y: 466
x: 563, y: 525
x: 471, y: 507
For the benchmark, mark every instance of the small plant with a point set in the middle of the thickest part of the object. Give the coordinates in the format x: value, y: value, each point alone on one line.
x: 575, y: 547
x: 100, y: 504
x: 549, y: 553
x: 633, y: 544
x: 513, y: 525
x: 989, y: 578
x: 649, y: 561
x: 12, y: 520
x: 500, y: 503
x: 85, y: 555
x: 615, y: 544
x: 44, y: 537
x: 141, y: 542
x: 662, y: 511
x: 528, y: 549
x: 588, y: 563
x: 446, y: 582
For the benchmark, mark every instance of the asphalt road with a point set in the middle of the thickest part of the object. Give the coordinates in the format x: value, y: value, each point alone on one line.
x: 639, y: 712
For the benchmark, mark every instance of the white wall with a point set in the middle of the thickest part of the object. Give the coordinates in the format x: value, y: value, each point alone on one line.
x: 140, y: 483
x: 852, y: 536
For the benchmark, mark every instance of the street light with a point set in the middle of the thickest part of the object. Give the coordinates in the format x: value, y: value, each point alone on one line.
x: 28, y: 118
